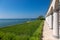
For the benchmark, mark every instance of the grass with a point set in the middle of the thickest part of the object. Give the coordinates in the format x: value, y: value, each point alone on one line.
x: 25, y: 31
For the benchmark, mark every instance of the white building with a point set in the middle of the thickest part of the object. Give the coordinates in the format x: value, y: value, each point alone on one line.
x: 53, y: 17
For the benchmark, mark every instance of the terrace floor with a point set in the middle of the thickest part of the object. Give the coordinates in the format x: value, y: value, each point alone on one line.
x: 48, y: 33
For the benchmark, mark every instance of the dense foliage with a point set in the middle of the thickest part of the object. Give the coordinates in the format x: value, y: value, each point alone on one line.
x: 26, y: 31
x: 41, y: 18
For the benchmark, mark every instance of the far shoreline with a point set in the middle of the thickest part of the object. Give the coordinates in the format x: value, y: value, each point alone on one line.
x: 16, y: 23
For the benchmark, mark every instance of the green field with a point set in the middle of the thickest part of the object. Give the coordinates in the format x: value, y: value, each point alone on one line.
x: 26, y: 31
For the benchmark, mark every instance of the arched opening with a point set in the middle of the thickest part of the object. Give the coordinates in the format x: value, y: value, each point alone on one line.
x: 56, y: 4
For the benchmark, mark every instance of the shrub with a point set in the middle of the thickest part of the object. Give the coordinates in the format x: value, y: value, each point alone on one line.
x: 26, y: 31
x: 1, y: 35
x: 8, y: 36
x: 34, y: 38
x: 21, y: 37
x: 37, y: 35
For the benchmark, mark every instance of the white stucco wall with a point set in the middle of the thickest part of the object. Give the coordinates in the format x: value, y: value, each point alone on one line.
x: 55, y: 26
x: 51, y: 21
x: 52, y: 5
x: 55, y: 23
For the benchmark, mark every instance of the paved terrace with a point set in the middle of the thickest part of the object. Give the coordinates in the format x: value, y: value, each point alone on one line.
x: 48, y: 33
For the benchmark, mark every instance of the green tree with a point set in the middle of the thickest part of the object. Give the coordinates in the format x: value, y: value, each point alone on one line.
x: 41, y: 18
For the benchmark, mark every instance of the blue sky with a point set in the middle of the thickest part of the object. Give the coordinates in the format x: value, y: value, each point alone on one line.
x: 23, y: 8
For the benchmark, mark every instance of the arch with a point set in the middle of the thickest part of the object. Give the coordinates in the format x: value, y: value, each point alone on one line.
x: 56, y: 4
x: 51, y: 10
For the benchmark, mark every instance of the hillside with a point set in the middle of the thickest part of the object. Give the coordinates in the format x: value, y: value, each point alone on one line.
x: 25, y: 31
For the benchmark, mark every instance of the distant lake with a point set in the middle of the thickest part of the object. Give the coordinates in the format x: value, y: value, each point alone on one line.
x: 8, y: 22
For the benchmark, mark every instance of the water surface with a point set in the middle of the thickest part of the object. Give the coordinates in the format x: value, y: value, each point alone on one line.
x: 9, y: 22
